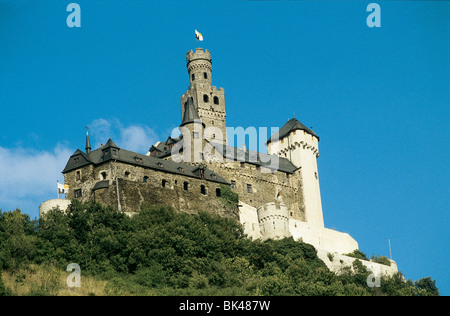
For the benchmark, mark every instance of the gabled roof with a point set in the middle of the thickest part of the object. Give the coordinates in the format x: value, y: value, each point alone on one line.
x: 97, y: 157
x: 255, y: 158
x: 290, y: 126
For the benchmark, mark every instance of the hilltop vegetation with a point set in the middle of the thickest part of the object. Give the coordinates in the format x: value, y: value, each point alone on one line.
x: 162, y: 252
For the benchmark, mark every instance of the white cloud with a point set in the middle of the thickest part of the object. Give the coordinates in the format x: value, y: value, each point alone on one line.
x: 134, y: 137
x: 28, y: 177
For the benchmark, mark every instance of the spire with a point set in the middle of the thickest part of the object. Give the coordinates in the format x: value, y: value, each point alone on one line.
x: 190, y: 113
x: 88, y: 142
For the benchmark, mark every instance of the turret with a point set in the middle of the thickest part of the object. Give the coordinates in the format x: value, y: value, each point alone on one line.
x: 300, y: 145
x: 208, y: 100
x: 192, y: 129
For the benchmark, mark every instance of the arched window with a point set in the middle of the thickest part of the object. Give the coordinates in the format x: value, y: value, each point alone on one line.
x: 205, y: 98
x: 205, y: 75
x: 103, y: 174
x: 218, y: 193
x: 145, y: 179
x: 216, y: 100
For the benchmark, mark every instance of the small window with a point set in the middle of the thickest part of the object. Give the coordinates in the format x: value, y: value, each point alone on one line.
x: 193, y: 77
x: 163, y: 183
x: 233, y: 185
x: 127, y: 174
x: 205, y: 98
x: 287, y: 175
x: 160, y: 165
x: 103, y: 174
x: 180, y: 169
x: 249, y: 188
x: 185, y: 185
x: 242, y: 164
x: 78, y: 175
x: 76, y: 160
x: 77, y: 193
x: 216, y: 100
x: 213, y: 176
x: 315, y: 174
x: 145, y: 179
x: 203, y: 189
x: 218, y: 193
x: 205, y: 75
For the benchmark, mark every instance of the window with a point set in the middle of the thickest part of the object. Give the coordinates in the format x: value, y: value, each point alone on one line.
x: 203, y: 189
x: 205, y: 98
x: 160, y: 165
x: 76, y: 160
x: 77, y: 193
x: 163, y: 183
x: 193, y: 77
x: 103, y: 174
x: 201, y: 173
x: 205, y: 75
x: 180, y: 169
x: 78, y: 175
x: 218, y: 193
x: 249, y: 188
x: 138, y: 159
x: 213, y: 176
x: 242, y: 164
x: 233, y: 184
x: 216, y: 100
x: 145, y: 179
x: 127, y: 174
x: 315, y: 174
x: 185, y: 185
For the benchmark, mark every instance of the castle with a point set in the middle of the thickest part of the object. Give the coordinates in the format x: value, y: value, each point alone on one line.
x: 278, y: 191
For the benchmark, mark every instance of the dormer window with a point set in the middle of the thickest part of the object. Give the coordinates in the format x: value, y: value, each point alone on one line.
x: 180, y: 169
x: 138, y: 159
x: 76, y: 160
x: 160, y: 165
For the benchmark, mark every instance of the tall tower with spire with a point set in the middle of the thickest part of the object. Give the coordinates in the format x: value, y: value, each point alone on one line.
x: 207, y: 99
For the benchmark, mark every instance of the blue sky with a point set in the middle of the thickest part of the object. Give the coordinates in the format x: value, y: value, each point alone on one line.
x: 377, y: 97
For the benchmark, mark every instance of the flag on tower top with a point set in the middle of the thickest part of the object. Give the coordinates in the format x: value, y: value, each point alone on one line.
x: 198, y: 35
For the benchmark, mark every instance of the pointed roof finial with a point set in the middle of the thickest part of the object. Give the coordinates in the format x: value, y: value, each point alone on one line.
x: 88, y: 142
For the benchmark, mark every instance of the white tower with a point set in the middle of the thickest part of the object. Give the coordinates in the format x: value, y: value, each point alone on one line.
x: 300, y: 145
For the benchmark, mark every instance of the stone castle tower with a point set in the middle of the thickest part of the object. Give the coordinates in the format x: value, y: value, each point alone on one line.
x: 207, y: 99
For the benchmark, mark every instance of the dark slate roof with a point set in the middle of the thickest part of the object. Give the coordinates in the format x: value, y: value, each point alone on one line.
x: 163, y: 149
x: 190, y: 113
x: 290, y: 126
x: 101, y: 185
x: 97, y: 157
x: 255, y: 158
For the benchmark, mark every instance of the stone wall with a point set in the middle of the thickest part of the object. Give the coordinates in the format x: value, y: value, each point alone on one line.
x: 256, y: 186
x: 137, y: 185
